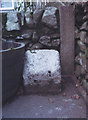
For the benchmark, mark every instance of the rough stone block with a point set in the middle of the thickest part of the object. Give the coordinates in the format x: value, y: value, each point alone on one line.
x: 37, y: 15
x: 49, y: 17
x: 82, y: 46
x: 81, y: 59
x: 27, y: 34
x: 83, y: 36
x: 45, y: 40
x: 35, y: 37
x: 84, y: 27
x: 29, y: 20
x: 78, y: 70
x: 37, y: 46
x: 12, y: 22
x: 42, y: 72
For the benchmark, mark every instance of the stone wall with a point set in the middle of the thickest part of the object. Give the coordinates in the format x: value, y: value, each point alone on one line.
x: 40, y: 30
x: 81, y: 44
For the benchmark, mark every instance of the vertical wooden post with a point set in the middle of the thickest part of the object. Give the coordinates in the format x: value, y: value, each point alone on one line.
x: 67, y: 39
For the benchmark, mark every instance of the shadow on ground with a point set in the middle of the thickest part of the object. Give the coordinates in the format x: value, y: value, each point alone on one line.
x: 50, y: 106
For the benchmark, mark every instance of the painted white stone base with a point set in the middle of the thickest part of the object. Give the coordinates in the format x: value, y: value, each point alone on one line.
x: 42, y: 69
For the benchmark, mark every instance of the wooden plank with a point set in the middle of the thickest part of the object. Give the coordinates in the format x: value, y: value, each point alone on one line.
x: 67, y: 39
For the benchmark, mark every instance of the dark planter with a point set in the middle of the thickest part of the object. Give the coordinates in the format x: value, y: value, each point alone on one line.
x: 12, y: 67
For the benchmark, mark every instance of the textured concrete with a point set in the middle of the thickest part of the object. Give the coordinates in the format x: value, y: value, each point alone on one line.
x: 67, y: 39
x: 57, y: 106
x: 42, y: 71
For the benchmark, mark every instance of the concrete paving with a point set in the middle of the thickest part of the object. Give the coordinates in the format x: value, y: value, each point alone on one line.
x: 50, y: 106
x: 0, y: 113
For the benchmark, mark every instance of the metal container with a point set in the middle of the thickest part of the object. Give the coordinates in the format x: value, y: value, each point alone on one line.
x: 12, y: 67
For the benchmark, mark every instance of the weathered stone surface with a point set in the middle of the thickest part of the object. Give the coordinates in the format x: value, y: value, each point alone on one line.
x: 19, y: 38
x: 45, y: 40
x: 86, y: 76
x: 77, y: 34
x: 30, y: 45
x: 12, y: 22
x: 56, y: 43
x: 29, y: 20
x: 85, y: 18
x: 20, y: 18
x: 85, y: 84
x: 27, y: 34
x: 82, y: 46
x: 12, y: 17
x: 81, y: 60
x: 77, y: 49
x: 79, y: 13
x: 86, y: 7
x: 83, y: 36
x: 37, y: 46
x: 41, y: 72
x: 37, y: 15
x: 55, y: 36
x: 83, y: 70
x: 78, y: 60
x: 84, y: 26
x: 49, y: 17
x: 78, y: 70
x: 4, y: 20
x: 35, y: 36
x: 67, y: 39
x: 45, y: 30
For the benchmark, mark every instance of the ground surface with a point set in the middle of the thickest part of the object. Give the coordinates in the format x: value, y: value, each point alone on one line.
x: 37, y: 106
x: 0, y: 113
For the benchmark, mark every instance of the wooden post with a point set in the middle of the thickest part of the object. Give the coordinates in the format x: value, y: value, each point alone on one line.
x: 67, y: 39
